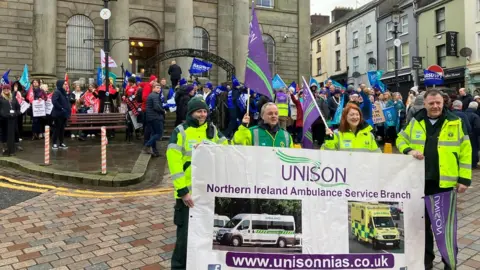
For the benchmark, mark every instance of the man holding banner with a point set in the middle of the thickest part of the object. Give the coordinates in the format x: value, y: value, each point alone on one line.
x: 438, y: 136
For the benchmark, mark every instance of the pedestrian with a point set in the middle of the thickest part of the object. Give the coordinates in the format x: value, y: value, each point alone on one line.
x: 9, y: 111
x: 155, y: 116
x: 433, y: 129
x: 182, y: 97
x: 457, y: 109
x: 175, y: 73
x: 354, y: 134
x: 465, y: 98
x: 268, y: 131
x: 474, y: 121
x: 414, y: 108
x: 60, y: 113
x: 185, y: 137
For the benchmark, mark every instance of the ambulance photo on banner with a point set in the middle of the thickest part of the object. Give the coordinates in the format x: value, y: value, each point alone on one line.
x: 305, y: 209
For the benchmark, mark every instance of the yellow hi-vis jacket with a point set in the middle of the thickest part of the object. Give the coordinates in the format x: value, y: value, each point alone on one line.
x: 362, y: 141
x: 179, y: 153
x: 454, y: 148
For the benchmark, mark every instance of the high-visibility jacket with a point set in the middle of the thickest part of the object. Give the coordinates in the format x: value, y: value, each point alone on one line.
x: 362, y: 141
x: 179, y: 153
x: 454, y: 148
x: 259, y: 136
x: 283, y: 103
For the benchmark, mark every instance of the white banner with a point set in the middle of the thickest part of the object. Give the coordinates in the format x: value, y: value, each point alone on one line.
x: 273, y: 208
x: 48, y: 106
x: 38, y: 108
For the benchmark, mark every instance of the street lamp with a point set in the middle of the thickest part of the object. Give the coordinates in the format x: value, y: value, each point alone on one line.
x: 396, y: 12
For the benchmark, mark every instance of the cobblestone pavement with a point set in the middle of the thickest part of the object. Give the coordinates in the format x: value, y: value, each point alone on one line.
x: 59, y: 232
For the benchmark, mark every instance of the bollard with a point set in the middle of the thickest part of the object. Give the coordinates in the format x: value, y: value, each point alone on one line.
x: 387, y: 148
x: 47, y: 145
x: 104, y: 150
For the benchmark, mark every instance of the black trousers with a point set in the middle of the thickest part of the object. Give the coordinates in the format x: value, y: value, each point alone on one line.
x: 9, y: 128
x: 180, y: 218
x: 174, y: 82
x: 59, y: 129
x: 431, y: 187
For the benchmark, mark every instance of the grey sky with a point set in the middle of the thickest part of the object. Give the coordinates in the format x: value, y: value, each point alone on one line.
x: 325, y: 7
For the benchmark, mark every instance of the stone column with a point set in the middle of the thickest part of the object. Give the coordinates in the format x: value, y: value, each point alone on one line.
x: 45, y: 39
x: 225, y: 35
x: 304, y: 62
x: 241, y: 30
x: 119, y: 23
x: 184, y: 33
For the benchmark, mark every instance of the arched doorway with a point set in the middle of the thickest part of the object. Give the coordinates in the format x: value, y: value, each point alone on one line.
x: 151, y: 64
x: 145, y: 43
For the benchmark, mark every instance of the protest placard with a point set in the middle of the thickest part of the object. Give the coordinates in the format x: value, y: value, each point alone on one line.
x: 48, y: 106
x: 38, y: 108
x: 377, y: 113
x: 305, y: 209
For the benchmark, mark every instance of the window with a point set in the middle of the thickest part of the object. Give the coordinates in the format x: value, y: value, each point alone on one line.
x: 269, y: 44
x: 440, y: 19
x: 201, y: 41
x: 265, y: 3
x: 337, y: 60
x: 356, y: 63
x: 319, y: 65
x: 404, y: 24
x: 368, y: 34
x: 80, y: 55
x: 405, y: 51
x: 442, y: 55
x: 389, y: 30
x: 260, y: 225
x: 337, y: 37
x: 355, y: 39
x: 391, y: 58
x: 369, y: 55
x: 319, y: 45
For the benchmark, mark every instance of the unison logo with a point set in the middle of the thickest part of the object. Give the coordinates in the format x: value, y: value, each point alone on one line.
x: 312, y: 171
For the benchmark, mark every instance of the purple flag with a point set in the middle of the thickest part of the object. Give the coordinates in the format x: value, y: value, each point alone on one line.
x: 442, y: 210
x: 310, y: 114
x: 257, y: 72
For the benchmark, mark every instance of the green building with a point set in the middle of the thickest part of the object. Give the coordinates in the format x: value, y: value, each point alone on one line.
x: 441, y: 35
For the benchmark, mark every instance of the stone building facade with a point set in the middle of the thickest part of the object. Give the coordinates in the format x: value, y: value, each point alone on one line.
x: 49, y: 35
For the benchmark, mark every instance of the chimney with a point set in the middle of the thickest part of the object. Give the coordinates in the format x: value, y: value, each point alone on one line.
x: 340, y: 12
x: 318, y: 20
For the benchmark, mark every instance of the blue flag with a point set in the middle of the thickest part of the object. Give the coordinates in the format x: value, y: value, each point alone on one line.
x: 374, y: 77
x: 338, y: 113
x: 337, y: 84
x: 125, y: 80
x: 294, y: 86
x: 99, y: 76
x: 391, y: 116
x: 313, y: 82
x: 4, y: 79
x: 278, y: 83
x: 24, y: 80
x: 432, y: 78
x: 199, y: 66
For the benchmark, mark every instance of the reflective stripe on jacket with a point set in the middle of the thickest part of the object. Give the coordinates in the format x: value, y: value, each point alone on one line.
x: 179, y: 154
x: 258, y: 136
x: 454, y: 149
x: 363, y: 141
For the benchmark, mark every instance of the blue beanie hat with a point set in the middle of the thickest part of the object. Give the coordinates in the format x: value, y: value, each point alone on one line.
x: 183, y: 81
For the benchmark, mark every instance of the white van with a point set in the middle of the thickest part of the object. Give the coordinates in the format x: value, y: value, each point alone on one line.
x: 218, y: 222
x: 258, y: 229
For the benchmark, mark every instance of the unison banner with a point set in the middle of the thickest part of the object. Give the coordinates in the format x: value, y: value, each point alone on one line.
x: 273, y: 208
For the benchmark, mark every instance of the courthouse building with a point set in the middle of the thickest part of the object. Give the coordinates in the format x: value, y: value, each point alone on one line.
x: 50, y: 35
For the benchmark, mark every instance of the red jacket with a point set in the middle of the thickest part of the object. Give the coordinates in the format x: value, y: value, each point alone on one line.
x: 147, y: 89
x: 299, y: 121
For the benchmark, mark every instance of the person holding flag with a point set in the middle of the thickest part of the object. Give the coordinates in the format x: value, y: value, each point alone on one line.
x: 353, y: 134
x: 438, y: 137
x: 268, y: 131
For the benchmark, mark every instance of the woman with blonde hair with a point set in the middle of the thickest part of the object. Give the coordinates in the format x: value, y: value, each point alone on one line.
x: 353, y: 134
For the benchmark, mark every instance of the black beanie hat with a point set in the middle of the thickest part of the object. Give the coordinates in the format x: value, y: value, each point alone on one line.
x: 195, y: 104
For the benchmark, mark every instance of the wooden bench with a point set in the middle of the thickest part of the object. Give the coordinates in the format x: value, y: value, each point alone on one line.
x: 94, y: 121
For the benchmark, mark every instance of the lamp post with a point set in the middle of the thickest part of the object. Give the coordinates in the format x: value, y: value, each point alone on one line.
x: 396, y: 12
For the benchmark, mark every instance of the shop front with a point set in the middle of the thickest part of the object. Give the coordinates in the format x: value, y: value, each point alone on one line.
x: 405, y: 83
x: 340, y: 78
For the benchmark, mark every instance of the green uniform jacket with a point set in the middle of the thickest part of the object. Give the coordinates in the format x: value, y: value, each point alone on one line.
x: 454, y: 148
x: 259, y: 136
x: 362, y: 141
x: 179, y: 152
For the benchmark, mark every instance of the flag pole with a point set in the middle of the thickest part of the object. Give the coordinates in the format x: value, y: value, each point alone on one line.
x: 316, y: 105
x: 248, y: 103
